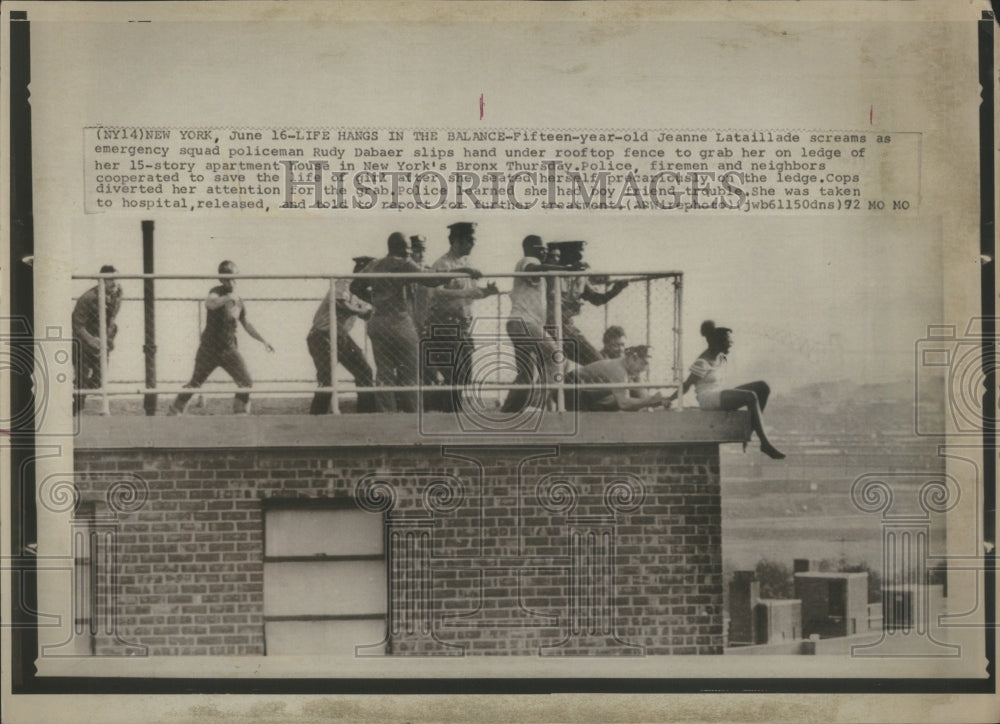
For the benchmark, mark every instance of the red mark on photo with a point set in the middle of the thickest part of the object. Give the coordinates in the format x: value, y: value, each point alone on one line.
x: 482, y: 106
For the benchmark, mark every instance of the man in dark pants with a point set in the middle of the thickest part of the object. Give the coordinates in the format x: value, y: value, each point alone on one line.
x: 391, y: 329
x: 619, y: 370
x: 86, y: 335
x: 218, y: 343
x: 574, y: 291
x: 349, y: 354
x: 449, y: 317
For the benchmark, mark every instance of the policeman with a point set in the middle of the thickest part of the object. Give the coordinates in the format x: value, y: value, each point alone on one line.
x: 449, y: 316
x: 349, y: 308
x: 419, y: 293
x: 620, y: 370
x: 391, y: 328
x: 574, y: 291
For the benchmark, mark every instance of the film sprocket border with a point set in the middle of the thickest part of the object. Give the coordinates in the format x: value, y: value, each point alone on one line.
x: 47, y: 361
x: 955, y: 366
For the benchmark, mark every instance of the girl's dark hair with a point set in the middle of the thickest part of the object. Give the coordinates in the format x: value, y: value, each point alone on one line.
x: 712, y: 333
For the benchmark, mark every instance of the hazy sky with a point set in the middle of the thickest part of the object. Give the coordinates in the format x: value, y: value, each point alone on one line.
x: 811, y: 297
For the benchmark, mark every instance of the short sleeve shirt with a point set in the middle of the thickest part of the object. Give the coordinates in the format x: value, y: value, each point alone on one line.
x: 220, y: 323
x: 710, y: 374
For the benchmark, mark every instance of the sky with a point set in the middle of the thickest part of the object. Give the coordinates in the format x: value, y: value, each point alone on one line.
x: 811, y: 298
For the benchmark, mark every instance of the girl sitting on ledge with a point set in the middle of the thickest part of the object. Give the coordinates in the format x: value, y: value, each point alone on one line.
x: 707, y: 376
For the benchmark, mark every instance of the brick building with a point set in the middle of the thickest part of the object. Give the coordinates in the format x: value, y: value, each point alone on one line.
x: 597, y: 535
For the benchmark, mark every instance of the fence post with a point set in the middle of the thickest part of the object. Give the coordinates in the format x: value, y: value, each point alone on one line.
x: 500, y: 331
x: 102, y: 336
x: 678, y: 340
x: 648, y: 322
x: 560, y: 356
x: 149, y: 317
x: 332, y: 300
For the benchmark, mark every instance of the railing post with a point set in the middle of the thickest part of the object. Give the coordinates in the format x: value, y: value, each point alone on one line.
x: 560, y: 356
x: 648, y: 322
x: 500, y: 331
x: 149, y: 316
x: 102, y: 336
x: 678, y: 340
x: 334, y: 398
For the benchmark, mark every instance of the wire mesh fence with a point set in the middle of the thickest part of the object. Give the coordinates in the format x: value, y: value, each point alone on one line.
x: 270, y: 336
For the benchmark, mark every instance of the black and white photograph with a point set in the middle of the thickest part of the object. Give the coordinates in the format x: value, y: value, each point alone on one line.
x: 555, y: 361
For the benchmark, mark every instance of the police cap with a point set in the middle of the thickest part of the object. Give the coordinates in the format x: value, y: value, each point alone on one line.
x: 568, y: 247
x: 360, y: 262
x: 461, y: 228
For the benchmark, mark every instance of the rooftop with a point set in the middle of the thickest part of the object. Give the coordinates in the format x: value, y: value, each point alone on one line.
x: 690, y: 426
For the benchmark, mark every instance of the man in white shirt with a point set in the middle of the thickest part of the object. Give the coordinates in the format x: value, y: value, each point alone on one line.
x: 535, y: 349
x: 349, y: 354
x: 449, y: 316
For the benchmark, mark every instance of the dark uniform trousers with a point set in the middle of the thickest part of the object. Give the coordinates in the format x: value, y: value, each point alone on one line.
x: 87, y: 372
x: 529, y: 348
x: 227, y: 357
x: 580, y: 398
x: 353, y: 359
x: 396, y: 347
x: 447, y: 334
x: 576, y: 346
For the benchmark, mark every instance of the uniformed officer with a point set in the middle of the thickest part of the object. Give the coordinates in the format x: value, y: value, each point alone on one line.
x: 619, y: 370
x: 418, y: 292
x: 574, y: 291
x: 391, y: 329
x: 349, y: 308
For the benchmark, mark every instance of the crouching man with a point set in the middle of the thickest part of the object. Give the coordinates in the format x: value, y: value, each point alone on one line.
x: 622, y: 370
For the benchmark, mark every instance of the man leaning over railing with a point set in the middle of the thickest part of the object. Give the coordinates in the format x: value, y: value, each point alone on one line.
x: 348, y: 308
x: 576, y: 290
x: 621, y: 370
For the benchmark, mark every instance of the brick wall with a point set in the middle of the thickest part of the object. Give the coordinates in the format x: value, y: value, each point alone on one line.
x: 570, y: 549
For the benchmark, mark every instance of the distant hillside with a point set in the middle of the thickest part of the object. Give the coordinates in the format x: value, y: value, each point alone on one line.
x: 863, y: 408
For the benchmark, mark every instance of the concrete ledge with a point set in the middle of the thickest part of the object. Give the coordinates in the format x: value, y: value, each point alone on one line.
x: 394, y: 430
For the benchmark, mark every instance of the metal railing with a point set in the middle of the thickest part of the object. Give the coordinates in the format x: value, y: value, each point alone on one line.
x: 300, y: 386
